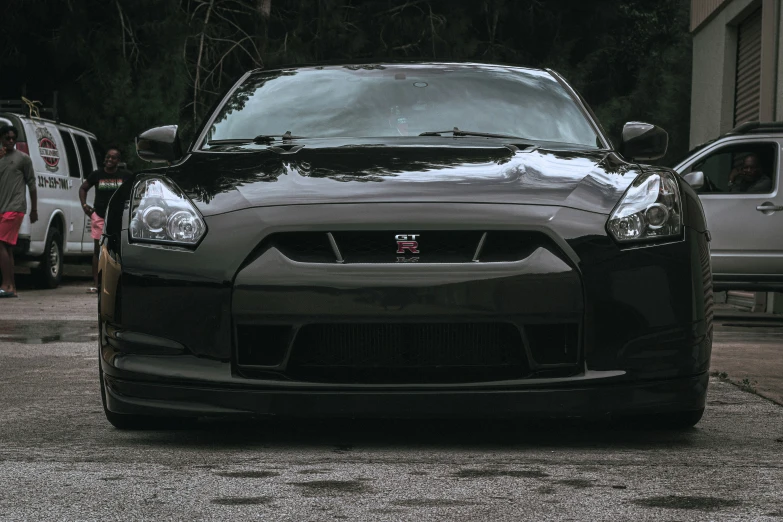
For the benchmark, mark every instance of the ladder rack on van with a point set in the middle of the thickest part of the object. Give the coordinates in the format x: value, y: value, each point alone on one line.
x: 31, y: 108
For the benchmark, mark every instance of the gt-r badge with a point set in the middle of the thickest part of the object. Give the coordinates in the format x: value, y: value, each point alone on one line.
x: 407, y: 242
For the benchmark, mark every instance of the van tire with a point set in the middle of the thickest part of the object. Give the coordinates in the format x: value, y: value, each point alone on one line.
x: 50, y: 271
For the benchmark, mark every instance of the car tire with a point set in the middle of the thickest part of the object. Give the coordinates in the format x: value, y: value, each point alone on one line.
x: 126, y: 422
x: 118, y: 420
x: 136, y: 422
x: 679, y: 420
x: 49, y: 273
x: 682, y: 420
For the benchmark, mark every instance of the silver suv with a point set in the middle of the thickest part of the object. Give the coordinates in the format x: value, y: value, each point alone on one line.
x: 738, y: 176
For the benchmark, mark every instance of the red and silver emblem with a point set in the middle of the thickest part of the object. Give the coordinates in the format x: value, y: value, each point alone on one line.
x: 47, y: 148
x: 407, y: 242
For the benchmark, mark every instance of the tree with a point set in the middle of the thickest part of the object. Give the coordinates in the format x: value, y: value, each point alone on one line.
x: 126, y: 65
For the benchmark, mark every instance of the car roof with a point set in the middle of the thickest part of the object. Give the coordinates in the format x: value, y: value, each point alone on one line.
x: 749, y: 128
x: 46, y: 120
x: 356, y: 65
x: 756, y: 127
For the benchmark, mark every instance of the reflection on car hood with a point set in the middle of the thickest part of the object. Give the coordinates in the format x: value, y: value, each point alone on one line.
x: 442, y: 170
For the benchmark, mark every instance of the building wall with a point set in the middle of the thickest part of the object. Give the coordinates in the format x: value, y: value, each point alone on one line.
x: 779, y: 81
x: 702, y: 9
x: 714, y: 63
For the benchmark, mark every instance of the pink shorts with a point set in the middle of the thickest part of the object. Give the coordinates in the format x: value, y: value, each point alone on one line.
x: 10, y: 223
x: 96, y: 226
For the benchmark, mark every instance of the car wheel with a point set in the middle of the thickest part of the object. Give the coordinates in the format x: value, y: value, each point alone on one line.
x: 123, y: 421
x: 138, y: 422
x: 50, y: 271
x: 680, y: 420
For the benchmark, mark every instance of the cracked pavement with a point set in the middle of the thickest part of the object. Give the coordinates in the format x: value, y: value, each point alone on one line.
x: 61, y: 460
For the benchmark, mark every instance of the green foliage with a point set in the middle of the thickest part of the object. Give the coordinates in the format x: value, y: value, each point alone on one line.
x: 132, y: 76
x: 122, y: 66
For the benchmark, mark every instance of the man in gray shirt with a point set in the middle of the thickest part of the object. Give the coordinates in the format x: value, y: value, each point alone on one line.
x: 16, y: 172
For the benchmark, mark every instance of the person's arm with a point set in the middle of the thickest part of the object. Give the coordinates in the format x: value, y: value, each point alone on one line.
x: 734, y: 173
x: 29, y: 177
x: 88, y: 183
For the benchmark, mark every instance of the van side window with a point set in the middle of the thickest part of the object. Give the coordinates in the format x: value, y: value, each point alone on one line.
x: 749, y: 168
x: 98, y: 152
x: 70, y: 151
x: 84, y: 155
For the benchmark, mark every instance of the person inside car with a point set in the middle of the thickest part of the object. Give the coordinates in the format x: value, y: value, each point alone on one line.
x: 749, y: 177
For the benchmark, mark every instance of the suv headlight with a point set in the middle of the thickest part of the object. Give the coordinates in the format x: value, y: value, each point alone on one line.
x: 649, y: 209
x: 161, y: 213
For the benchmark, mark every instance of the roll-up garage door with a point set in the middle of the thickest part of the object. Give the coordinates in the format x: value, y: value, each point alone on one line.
x: 748, y: 83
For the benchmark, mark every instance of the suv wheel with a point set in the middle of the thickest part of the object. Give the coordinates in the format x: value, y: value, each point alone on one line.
x: 49, y: 273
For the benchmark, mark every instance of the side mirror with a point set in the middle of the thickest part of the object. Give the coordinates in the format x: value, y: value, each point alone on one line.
x: 694, y: 179
x: 159, y: 144
x: 643, y: 141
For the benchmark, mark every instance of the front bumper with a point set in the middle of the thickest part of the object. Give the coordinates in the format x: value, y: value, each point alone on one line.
x: 643, y: 317
x: 594, y: 395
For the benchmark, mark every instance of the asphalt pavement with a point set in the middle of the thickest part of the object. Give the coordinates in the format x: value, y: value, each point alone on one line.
x: 61, y: 460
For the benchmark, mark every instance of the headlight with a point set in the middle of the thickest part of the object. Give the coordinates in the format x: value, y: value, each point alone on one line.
x: 161, y: 213
x: 649, y: 209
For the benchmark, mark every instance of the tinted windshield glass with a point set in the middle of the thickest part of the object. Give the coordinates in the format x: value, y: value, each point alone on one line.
x: 403, y: 101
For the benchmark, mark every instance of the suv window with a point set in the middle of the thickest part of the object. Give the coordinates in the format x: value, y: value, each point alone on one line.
x: 70, y: 152
x: 84, y: 155
x: 745, y: 168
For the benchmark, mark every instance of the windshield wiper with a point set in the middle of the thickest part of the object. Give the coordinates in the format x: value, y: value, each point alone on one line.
x: 269, y: 138
x: 456, y: 132
x: 229, y: 141
x: 262, y: 138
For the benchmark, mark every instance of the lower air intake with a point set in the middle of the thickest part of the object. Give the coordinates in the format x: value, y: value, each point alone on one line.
x: 408, y: 353
x: 553, y: 344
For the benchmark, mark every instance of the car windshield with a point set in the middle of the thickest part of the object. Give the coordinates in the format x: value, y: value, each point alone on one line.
x: 389, y: 101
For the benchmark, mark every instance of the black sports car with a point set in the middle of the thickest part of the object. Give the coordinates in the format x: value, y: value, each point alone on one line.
x: 402, y: 240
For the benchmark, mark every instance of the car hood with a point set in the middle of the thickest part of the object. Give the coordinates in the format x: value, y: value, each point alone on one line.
x: 451, y: 170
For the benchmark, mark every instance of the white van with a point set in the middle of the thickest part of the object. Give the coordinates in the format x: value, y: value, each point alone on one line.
x: 63, y: 156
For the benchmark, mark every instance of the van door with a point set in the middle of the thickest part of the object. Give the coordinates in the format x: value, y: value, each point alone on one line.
x: 745, y: 219
x: 88, y: 165
x: 98, y: 155
x: 73, y: 234
x: 54, y: 186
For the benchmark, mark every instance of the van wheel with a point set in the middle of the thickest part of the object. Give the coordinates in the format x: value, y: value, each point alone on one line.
x: 49, y: 273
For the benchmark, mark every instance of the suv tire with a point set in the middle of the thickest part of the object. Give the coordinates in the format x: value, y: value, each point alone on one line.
x: 49, y: 273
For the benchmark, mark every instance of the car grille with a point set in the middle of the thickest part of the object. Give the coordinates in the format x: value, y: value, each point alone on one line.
x: 408, y: 353
x: 429, y: 246
x: 306, y: 247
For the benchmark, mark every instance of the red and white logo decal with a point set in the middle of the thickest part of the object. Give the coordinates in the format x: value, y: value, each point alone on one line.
x: 407, y: 242
x: 47, y: 148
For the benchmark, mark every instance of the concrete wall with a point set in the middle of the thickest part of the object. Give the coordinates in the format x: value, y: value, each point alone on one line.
x: 714, y: 68
x: 703, y: 9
